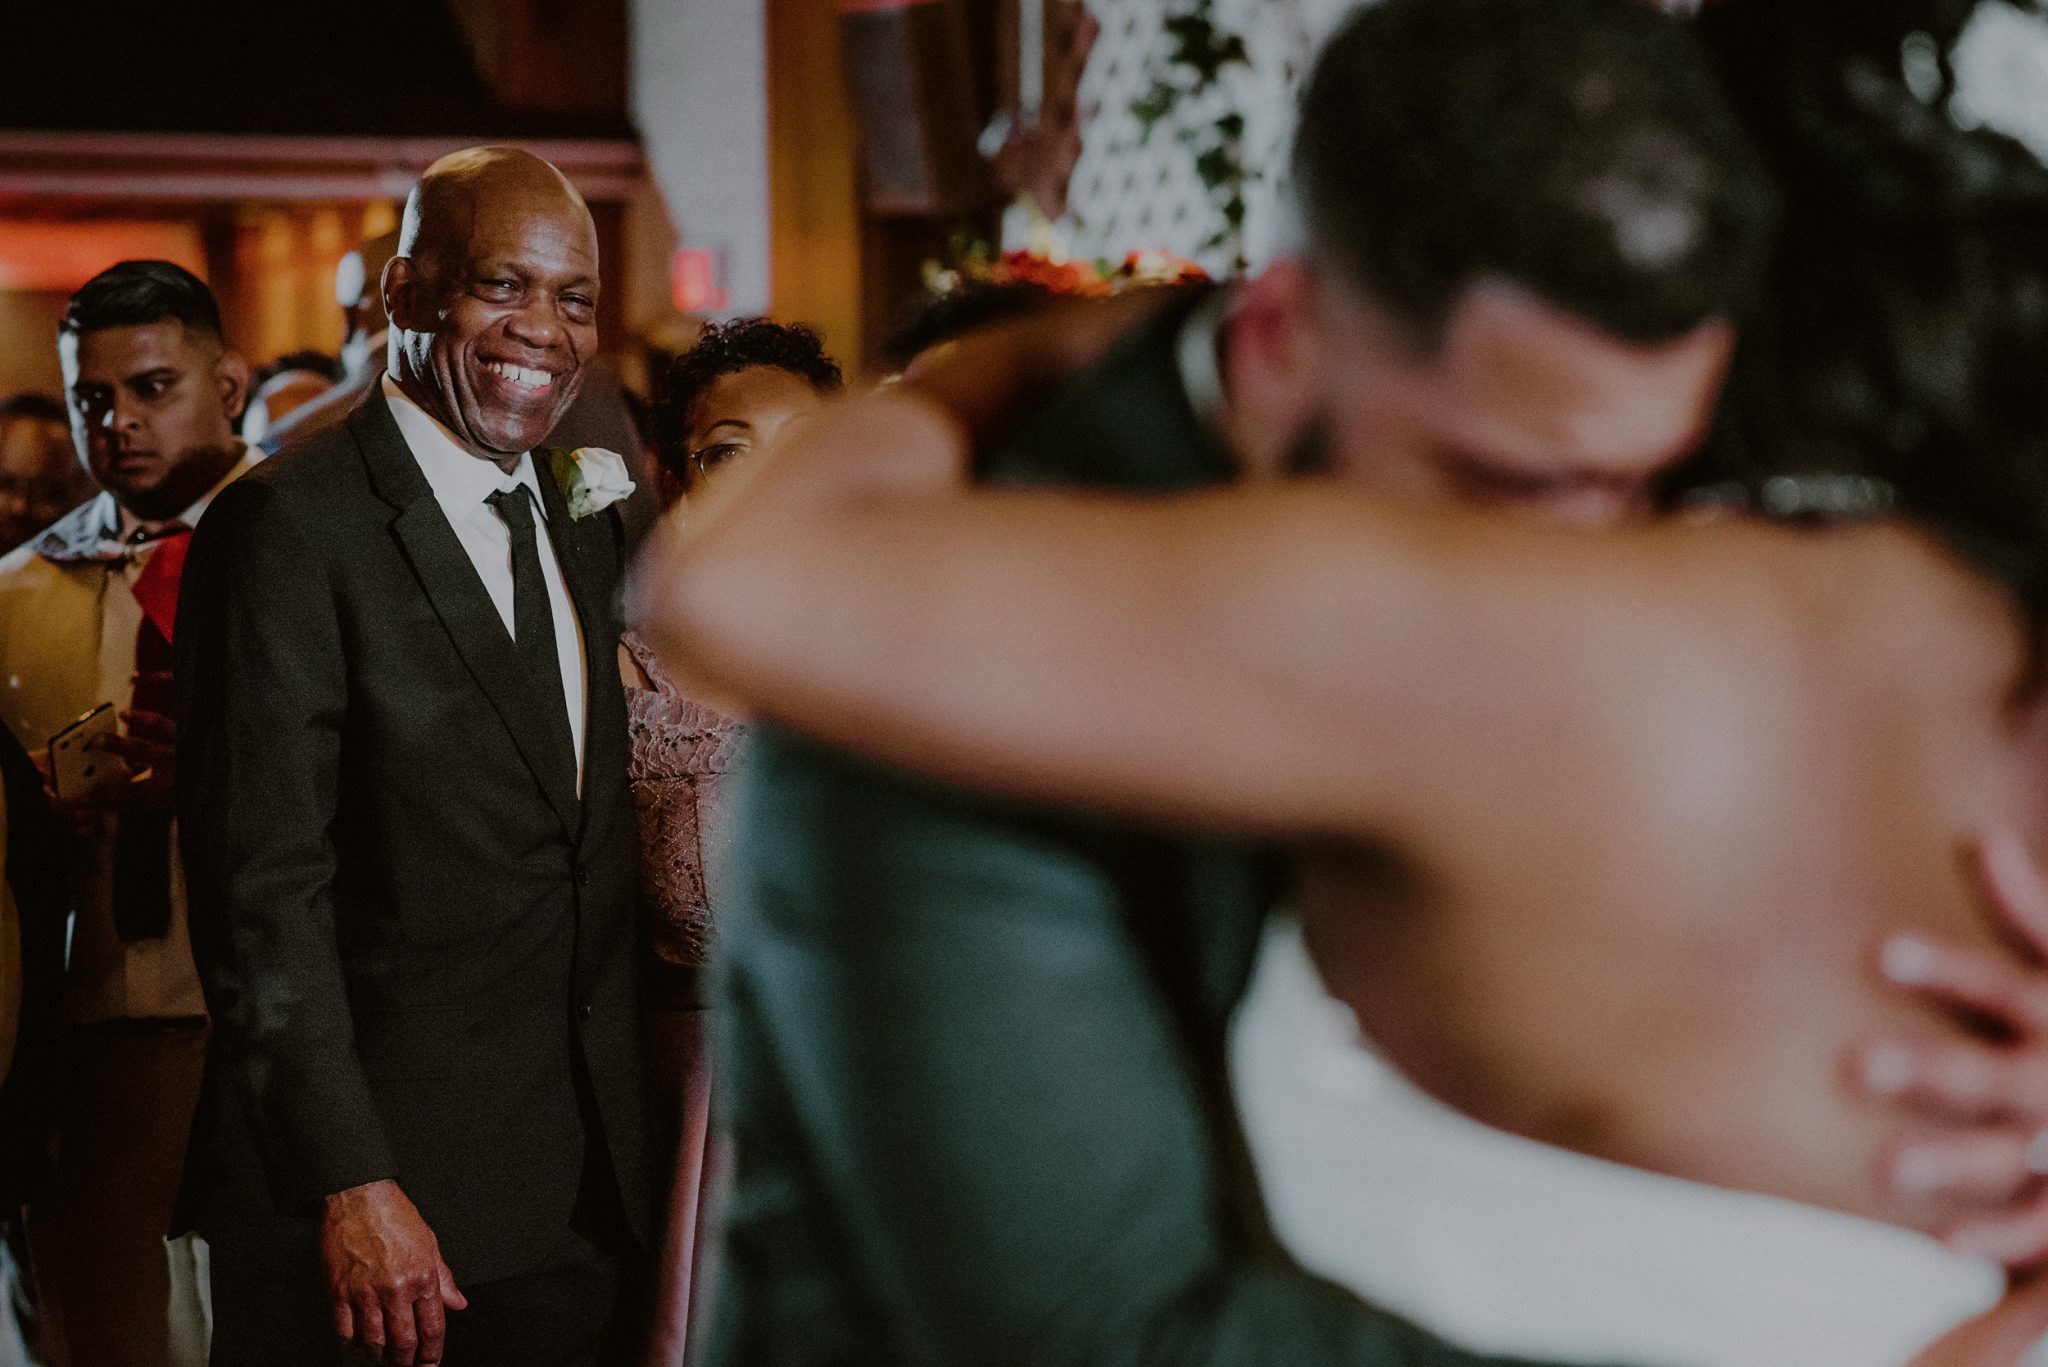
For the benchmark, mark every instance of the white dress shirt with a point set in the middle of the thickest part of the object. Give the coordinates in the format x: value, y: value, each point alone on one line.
x: 461, y: 482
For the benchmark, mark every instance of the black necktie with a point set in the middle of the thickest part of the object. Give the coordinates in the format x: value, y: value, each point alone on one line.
x: 533, y: 617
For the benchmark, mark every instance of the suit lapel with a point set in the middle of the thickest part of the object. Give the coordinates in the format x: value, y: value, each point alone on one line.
x: 584, y: 552
x: 459, y: 599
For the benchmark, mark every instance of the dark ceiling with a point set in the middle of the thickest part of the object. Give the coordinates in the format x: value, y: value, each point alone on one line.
x: 364, y: 68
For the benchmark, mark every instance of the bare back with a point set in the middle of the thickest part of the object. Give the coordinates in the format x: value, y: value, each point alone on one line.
x: 1637, y: 801
x: 1653, y: 947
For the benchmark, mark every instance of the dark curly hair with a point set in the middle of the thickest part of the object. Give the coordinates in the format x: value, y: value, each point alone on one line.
x: 1904, y: 331
x: 726, y: 349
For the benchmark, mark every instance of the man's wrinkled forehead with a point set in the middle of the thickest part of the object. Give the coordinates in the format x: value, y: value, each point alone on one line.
x: 459, y: 219
x: 1534, y: 383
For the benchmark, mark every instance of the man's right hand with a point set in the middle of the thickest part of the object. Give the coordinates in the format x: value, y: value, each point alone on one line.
x: 385, y: 1278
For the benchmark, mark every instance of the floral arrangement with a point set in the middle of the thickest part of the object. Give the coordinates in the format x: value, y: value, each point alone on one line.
x: 1051, y: 269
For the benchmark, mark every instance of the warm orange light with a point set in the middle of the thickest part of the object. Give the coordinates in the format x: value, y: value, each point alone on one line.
x: 58, y: 257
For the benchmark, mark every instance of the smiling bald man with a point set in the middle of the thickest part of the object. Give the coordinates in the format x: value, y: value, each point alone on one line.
x: 405, y: 809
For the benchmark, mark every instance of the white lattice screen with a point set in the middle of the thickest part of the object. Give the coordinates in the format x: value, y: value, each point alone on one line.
x: 1129, y: 193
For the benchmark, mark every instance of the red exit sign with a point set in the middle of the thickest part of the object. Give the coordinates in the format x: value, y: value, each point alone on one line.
x: 694, y: 281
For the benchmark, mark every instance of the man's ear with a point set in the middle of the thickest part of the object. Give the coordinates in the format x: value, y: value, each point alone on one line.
x: 232, y: 374
x: 1270, y: 364
x: 1273, y: 317
x: 401, y: 288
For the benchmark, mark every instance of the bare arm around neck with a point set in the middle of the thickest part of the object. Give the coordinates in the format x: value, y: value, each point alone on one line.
x: 1629, y: 773
x: 1297, y: 661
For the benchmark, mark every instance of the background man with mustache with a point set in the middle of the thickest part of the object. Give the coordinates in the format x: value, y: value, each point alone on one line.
x: 406, y: 814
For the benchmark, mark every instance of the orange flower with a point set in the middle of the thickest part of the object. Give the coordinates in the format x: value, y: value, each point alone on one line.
x: 1158, y: 268
x: 1062, y: 277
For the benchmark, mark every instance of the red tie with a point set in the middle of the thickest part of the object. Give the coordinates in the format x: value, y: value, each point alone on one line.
x: 142, y: 839
x: 156, y: 585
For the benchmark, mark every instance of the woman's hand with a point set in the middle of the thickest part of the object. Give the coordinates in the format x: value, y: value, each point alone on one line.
x: 1985, y: 1086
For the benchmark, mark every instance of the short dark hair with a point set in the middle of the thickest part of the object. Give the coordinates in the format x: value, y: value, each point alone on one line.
x: 137, y: 293
x: 929, y: 319
x: 726, y: 349
x: 1579, y: 148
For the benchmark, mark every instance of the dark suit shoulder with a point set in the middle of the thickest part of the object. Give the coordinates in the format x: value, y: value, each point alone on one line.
x: 325, y: 461
x: 320, y: 486
x: 1124, y: 422
x: 304, y: 507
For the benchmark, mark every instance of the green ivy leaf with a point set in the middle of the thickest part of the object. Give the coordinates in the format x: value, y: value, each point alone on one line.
x: 1216, y: 167
x: 1197, y: 52
x: 1153, y: 106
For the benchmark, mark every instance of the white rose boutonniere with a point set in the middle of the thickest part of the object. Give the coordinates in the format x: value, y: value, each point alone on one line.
x: 592, y: 479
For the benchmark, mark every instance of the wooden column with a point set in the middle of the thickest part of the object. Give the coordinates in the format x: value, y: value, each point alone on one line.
x: 813, y: 181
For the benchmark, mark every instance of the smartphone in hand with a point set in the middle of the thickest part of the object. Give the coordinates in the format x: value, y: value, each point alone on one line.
x: 78, y: 767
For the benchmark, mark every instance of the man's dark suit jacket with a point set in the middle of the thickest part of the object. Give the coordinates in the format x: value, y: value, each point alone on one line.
x: 417, y: 942
x: 973, y: 1054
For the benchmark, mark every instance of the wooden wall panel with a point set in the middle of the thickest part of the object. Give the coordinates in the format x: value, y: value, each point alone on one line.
x: 813, y: 181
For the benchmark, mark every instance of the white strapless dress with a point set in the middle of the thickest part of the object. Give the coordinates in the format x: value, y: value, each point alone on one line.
x: 1511, y: 1246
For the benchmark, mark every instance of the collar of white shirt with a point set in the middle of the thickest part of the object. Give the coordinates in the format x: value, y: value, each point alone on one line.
x: 458, y: 479
x: 119, y: 525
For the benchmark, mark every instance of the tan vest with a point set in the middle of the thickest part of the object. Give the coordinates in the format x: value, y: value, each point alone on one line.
x: 49, y: 677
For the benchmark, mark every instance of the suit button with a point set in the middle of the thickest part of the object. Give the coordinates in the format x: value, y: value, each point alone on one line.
x: 581, y: 876
x: 585, y: 1011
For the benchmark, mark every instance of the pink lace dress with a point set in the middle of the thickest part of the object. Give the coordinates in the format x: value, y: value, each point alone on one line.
x: 681, y: 753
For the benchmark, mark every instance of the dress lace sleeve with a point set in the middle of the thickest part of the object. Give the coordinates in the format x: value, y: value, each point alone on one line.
x: 681, y: 751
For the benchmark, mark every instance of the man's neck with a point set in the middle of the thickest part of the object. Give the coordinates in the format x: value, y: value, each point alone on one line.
x: 190, y: 483
x: 429, y: 403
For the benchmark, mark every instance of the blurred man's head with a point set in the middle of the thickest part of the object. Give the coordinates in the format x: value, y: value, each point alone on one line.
x: 153, y: 392
x: 493, y: 298
x: 732, y: 392
x: 934, y: 320
x: 1531, y: 225
x: 40, y: 477
x: 359, y: 289
x: 283, y: 387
